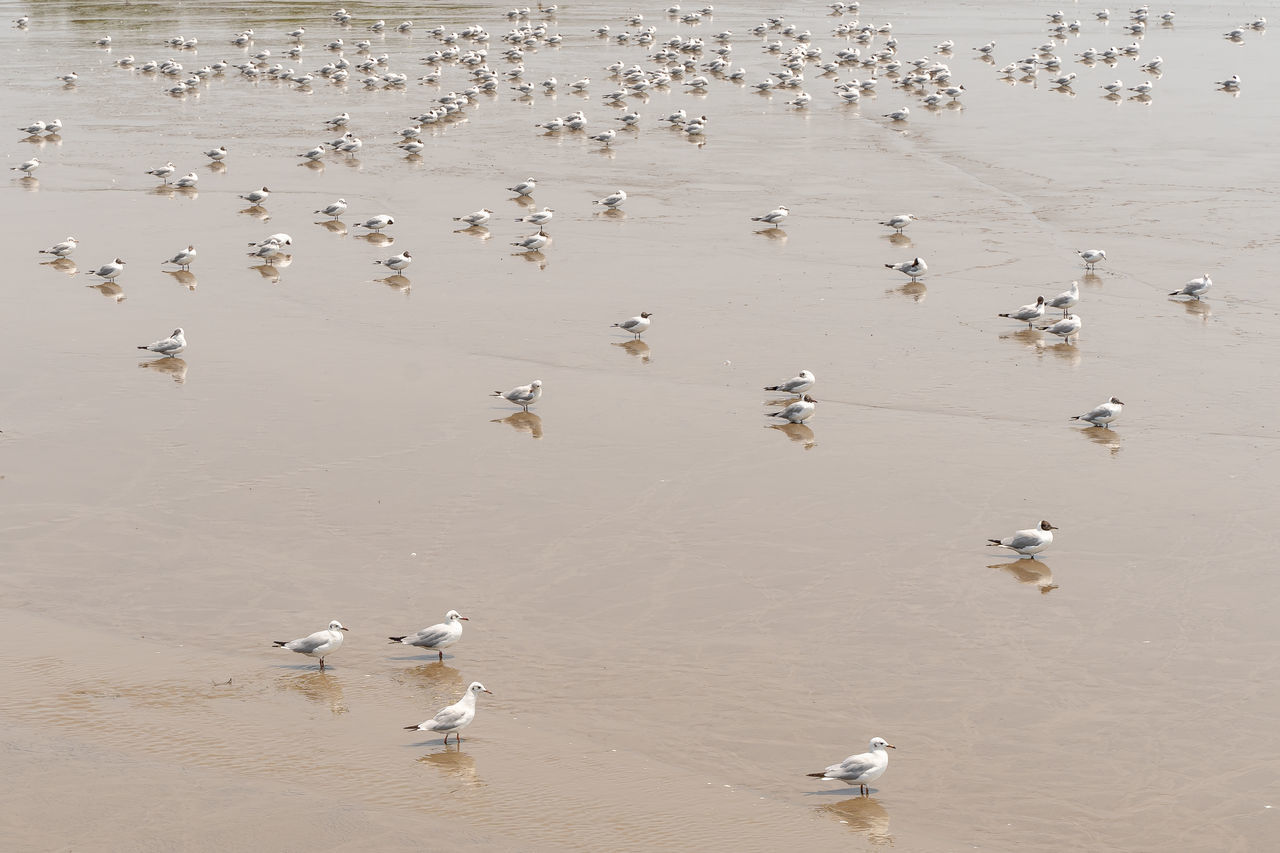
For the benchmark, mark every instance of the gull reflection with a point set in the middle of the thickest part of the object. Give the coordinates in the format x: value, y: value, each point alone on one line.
x: 799, y: 433
x: 637, y: 348
x: 175, y: 367
x: 435, y: 675
x: 453, y: 761
x: 1196, y: 308
x: 1069, y: 353
x: 480, y: 232
x: 65, y: 265
x: 533, y: 257
x: 864, y: 815
x: 376, y: 238
x: 1036, y: 572
x: 314, y: 165
x: 268, y: 271
x: 186, y: 278
x: 397, y: 282
x: 914, y: 289
x: 777, y: 234
x: 524, y: 201
x: 109, y: 289
x: 217, y: 167
x: 335, y: 226
x: 900, y: 240
x: 30, y: 183
x: 186, y: 192
x: 257, y: 211
x: 322, y: 688
x: 1108, y: 438
x: 612, y: 213
x: 522, y: 422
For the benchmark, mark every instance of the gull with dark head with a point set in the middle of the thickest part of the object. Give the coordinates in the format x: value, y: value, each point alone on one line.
x: 170, y: 346
x: 1027, y: 542
x: 318, y: 645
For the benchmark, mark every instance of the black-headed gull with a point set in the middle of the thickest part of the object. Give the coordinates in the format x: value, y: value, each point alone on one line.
x: 1091, y: 257
x: 797, y: 385
x: 861, y: 769
x: 1102, y: 416
x: 1067, y: 299
x: 183, y: 258
x: 63, y: 249
x: 913, y: 268
x: 798, y: 412
x: 170, y: 346
x: 257, y: 196
x: 110, y: 270
x: 523, y: 396
x: 525, y: 187
x: 1195, y: 288
x: 897, y: 223
x: 318, y: 645
x: 396, y: 263
x: 1027, y: 313
x: 480, y: 217
x: 773, y: 217
x: 376, y: 223
x: 218, y: 154
x: 456, y: 717
x: 532, y: 243
x: 538, y: 217
x: 187, y: 181
x: 1064, y: 328
x: 334, y: 209
x: 437, y: 637
x: 635, y: 325
x: 1027, y: 542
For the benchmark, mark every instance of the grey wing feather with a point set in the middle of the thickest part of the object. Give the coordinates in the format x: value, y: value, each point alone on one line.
x: 852, y: 767
x: 428, y: 636
x: 447, y: 717
x: 308, y: 644
x: 1021, y: 540
x: 628, y: 324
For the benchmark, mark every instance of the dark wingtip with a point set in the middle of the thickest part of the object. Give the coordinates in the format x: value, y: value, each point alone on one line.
x: 993, y: 541
x: 281, y: 643
x: 410, y: 728
x: 396, y: 639
x: 817, y: 775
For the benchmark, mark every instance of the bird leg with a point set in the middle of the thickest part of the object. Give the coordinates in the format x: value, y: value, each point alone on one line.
x: 322, y: 664
x: 441, y: 656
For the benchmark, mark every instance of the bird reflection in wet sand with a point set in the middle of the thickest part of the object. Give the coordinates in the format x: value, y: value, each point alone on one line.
x: 1196, y: 308
x: 636, y: 348
x: 377, y: 238
x: 478, y: 231
x: 1091, y: 279
x: 257, y: 212
x: 268, y: 271
x: 455, y: 762
x: 1108, y: 438
x: 799, y: 433
x: 1035, y: 572
x: 69, y: 267
x: 186, y: 278
x: 864, y: 815
x: 320, y: 687
x: 397, y: 282
x: 435, y: 675
x: 523, y: 422
x: 335, y: 226
x: 776, y: 234
x: 109, y: 289
x: 1067, y: 352
x: 899, y: 240
x: 534, y: 257
x: 175, y: 367
x: 914, y: 289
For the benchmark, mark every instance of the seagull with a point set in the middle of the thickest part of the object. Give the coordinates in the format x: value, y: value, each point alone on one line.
x: 797, y: 385
x: 604, y: 137
x: 109, y: 271
x: 1231, y: 83
x: 437, y: 637
x: 525, y: 187
x: 170, y: 346
x: 163, y: 172
x: 1066, y: 300
x: 1197, y: 287
x: 1028, y: 542
x: 1102, y: 416
x: 257, y: 196
x: 524, y: 396
x: 267, y: 250
x: 34, y: 128
x: 480, y: 217
x: 614, y: 200
x: 217, y: 155
x: 1113, y: 87
x: 313, y: 154
x: 897, y: 223
x: 1064, y: 81
x: 69, y: 78
x: 280, y: 239
x: 986, y: 48
x: 377, y: 223
x: 335, y: 209
x: 1064, y: 328
x: 183, y: 258
x: 397, y: 263
x: 1091, y: 257
x: 914, y: 268
x: 27, y: 168
x: 318, y: 645
x: 533, y: 242
x: 860, y: 770
x: 63, y: 249
x: 456, y: 717
x: 773, y: 217
x: 636, y: 325
x: 539, y: 217
x: 187, y: 181
x: 339, y: 120
x: 899, y: 114
x: 798, y: 412
x: 1027, y: 313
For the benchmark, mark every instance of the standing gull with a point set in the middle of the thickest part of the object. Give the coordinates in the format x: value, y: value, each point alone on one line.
x: 612, y: 201
x: 524, y: 396
x: 1066, y: 300
x: 897, y: 223
x: 1028, y: 542
x: 109, y: 271
x: 773, y: 217
x: 1027, y: 313
x: 456, y: 717
x: 1102, y: 416
x: 63, y: 249
x: 480, y: 217
x: 163, y: 172
x: 860, y: 770
x: 1195, y: 288
x: 797, y: 385
x: 525, y: 187
x: 397, y: 263
x: 635, y: 325
x: 318, y: 645
x: 170, y: 346
x: 437, y: 637
x: 914, y: 268
x: 183, y: 258
x: 376, y: 223
x: 257, y: 196
x: 798, y: 412
x: 1091, y: 257
x: 1064, y: 328
x: 335, y: 209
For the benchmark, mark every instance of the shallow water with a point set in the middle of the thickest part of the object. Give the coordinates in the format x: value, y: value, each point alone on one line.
x: 680, y: 610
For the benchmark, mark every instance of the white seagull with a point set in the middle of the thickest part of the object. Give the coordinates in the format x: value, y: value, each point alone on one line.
x: 480, y: 217
x: 334, y: 209
x: 170, y: 346
x: 1091, y: 257
x: 773, y: 217
x: 524, y: 396
x: 183, y: 258
x: 798, y: 412
x: 27, y: 167
x: 257, y: 196
x: 398, y: 262
x: 218, y: 154
x: 63, y: 249
x: 456, y: 717
x: 1064, y: 328
x: 538, y: 217
x: 376, y: 223
x: 163, y: 172
x: 318, y: 645
x: 525, y: 187
x: 797, y: 384
x: 914, y: 268
x: 1027, y: 313
x: 635, y: 325
x: 1102, y: 416
x: 109, y: 271
x: 1028, y: 542
x: 862, y: 769
x: 1066, y: 300
x: 187, y: 181
x: 1196, y: 288
x: 533, y: 242
x: 437, y: 637
x: 897, y: 223
x: 612, y: 201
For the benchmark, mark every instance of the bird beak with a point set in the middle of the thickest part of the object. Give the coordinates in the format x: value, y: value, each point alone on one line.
x: 1051, y: 527
x: 343, y: 629
x: 490, y: 692
x: 891, y: 746
x: 464, y: 619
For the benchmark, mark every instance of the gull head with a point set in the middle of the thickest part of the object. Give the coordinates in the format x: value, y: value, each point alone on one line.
x: 645, y: 314
x: 335, y: 625
x: 478, y: 688
x: 177, y: 333
x: 880, y: 743
x: 1044, y: 525
x: 454, y: 616
x: 537, y: 383
x: 1116, y: 401
x: 808, y: 399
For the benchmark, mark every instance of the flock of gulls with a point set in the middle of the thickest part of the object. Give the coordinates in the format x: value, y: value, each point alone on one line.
x: 865, y: 63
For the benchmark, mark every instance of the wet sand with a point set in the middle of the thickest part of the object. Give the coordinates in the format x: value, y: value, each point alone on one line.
x: 679, y: 609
